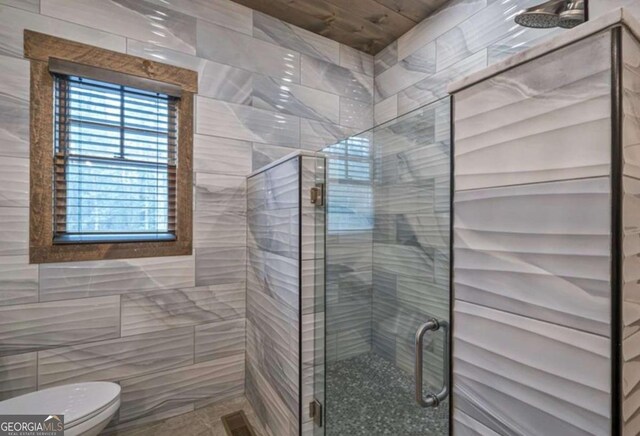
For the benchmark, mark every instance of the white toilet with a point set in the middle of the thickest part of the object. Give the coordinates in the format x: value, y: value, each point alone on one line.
x: 87, y: 407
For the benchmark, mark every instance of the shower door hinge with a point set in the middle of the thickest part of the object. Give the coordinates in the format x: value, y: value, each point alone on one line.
x: 315, y: 412
x: 316, y: 194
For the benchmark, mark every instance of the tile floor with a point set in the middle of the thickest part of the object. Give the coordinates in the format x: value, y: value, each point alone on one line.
x: 204, y: 421
x: 390, y: 408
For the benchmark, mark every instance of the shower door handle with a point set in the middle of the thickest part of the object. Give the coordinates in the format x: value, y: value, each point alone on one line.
x: 432, y: 400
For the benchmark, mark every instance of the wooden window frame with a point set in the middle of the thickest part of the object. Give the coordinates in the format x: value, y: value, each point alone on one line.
x: 39, y: 49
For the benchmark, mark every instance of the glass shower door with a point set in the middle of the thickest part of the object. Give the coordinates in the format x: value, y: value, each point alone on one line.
x: 387, y: 278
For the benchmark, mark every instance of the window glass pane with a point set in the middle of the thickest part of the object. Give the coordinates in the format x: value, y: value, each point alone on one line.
x: 107, y: 198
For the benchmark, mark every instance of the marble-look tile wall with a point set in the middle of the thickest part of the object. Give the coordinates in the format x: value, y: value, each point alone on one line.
x: 284, y: 278
x: 411, y: 159
x: 532, y: 247
x: 265, y: 88
x: 462, y: 37
x: 465, y: 36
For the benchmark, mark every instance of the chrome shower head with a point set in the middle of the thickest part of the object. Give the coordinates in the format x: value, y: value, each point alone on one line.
x: 572, y: 15
x: 543, y: 16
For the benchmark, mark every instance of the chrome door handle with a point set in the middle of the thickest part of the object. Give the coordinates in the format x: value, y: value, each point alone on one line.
x: 432, y: 400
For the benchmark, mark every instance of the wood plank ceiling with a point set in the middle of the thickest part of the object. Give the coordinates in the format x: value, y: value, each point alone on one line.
x: 366, y: 25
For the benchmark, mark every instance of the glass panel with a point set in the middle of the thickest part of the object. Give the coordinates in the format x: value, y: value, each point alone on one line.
x: 285, y: 289
x: 318, y: 294
x: 387, y: 273
x: 107, y: 197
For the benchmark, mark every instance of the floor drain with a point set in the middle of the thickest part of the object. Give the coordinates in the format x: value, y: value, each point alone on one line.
x: 236, y: 424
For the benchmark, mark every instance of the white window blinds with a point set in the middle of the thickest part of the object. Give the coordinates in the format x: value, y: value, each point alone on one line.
x: 115, y: 162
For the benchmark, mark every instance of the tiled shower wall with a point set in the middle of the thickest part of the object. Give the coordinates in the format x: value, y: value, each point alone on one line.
x: 462, y: 37
x: 169, y: 330
x: 532, y: 244
x: 411, y: 161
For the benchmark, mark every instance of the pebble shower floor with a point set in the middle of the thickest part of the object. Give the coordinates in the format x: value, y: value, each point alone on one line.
x: 368, y: 395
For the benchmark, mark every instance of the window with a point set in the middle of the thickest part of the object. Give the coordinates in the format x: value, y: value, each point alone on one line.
x: 115, y: 162
x: 350, y: 196
x: 111, y: 151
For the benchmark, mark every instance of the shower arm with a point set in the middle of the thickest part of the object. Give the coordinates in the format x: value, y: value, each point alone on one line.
x: 431, y: 400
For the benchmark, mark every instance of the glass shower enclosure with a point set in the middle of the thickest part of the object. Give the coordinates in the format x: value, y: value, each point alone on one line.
x: 382, y: 309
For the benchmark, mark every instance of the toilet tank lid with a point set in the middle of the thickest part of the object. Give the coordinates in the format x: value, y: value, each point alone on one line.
x: 74, y: 401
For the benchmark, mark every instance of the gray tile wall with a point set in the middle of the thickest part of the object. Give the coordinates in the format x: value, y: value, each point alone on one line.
x: 265, y: 88
x: 462, y: 37
x: 532, y: 253
x: 411, y: 160
x: 506, y: 383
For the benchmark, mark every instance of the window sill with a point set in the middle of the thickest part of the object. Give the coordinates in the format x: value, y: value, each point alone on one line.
x: 78, y: 252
